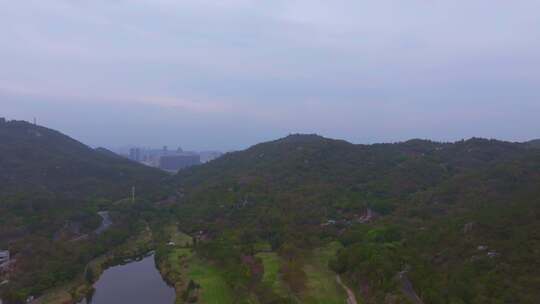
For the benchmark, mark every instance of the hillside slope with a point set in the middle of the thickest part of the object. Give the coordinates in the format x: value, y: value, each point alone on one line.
x: 45, y: 176
x: 51, y: 188
x: 325, y: 175
x: 449, y: 216
x: 534, y: 143
x: 37, y: 159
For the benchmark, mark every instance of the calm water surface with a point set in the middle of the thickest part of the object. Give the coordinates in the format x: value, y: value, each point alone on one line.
x: 138, y: 282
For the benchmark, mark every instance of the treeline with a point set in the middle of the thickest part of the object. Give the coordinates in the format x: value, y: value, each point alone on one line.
x: 301, y: 191
x: 44, y: 263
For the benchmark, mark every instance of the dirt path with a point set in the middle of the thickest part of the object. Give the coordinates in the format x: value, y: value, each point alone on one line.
x: 106, y: 222
x: 351, y: 298
x: 408, y: 289
x: 367, y: 217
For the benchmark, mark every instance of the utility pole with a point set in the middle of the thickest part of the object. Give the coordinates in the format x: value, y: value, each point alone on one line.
x: 133, y: 194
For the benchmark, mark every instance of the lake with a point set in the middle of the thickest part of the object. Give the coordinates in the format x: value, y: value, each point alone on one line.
x: 137, y: 282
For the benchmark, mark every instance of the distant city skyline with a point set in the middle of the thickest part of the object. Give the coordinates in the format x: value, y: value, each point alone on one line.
x: 207, y: 146
x: 224, y: 75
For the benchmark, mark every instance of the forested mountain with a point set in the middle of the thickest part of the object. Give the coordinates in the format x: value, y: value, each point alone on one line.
x: 459, y: 220
x: 37, y: 159
x: 534, y: 143
x: 334, y: 174
x: 399, y: 223
x: 45, y: 174
x: 51, y: 188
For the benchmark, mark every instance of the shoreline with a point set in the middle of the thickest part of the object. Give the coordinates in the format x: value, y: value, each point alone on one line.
x: 75, y: 291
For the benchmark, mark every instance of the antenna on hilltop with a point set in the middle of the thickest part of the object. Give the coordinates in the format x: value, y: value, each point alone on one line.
x: 133, y: 194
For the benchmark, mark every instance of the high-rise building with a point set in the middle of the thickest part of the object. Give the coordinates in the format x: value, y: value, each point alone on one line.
x: 135, y: 154
x: 176, y: 162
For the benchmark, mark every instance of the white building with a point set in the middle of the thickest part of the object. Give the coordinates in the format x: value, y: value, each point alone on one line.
x: 4, y: 257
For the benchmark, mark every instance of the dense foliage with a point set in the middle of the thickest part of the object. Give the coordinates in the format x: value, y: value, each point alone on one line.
x: 51, y: 188
x: 444, y: 222
x: 457, y: 220
x: 44, y: 174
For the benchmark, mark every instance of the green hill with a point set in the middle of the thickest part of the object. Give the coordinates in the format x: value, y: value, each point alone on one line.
x: 327, y: 175
x: 51, y: 187
x: 534, y: 143
x: 460, y: 220
x: 37, y: 159
x: 45, y: 174
x: 450, y: 222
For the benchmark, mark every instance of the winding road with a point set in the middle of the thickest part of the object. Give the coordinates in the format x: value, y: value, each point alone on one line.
x: 106, y: 222
x: 351, y: 298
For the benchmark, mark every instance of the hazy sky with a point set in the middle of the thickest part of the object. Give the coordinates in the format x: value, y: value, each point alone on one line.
x: 227, y: 74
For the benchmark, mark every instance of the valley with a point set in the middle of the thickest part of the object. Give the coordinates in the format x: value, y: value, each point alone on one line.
x: 303, y: 219
x: 269, y: 152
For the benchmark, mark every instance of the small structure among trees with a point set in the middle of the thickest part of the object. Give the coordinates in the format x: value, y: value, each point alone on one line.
x: 4, y: 257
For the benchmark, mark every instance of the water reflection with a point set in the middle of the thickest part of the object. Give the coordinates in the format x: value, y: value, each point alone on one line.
x: 138, y: 282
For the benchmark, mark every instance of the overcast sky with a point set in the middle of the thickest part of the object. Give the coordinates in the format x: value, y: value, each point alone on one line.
x: 225, y: 74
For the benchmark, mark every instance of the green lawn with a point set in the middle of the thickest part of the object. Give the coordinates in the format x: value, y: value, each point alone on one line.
x: 178, y: 237
x: 185, y: 266
x: 321, y: 281
x: 176, y: 255
x: 214, y: 289
x: 271, y: 277
x: 182, y: 239
x: 262, y: 247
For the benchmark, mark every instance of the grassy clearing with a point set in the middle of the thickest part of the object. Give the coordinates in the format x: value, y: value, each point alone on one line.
x: 182, y: 239
x: 58, y: 295
x: 262, y: 247
x: 173, y: 269
x: 272, y: 277
x: 182, y: 265
x: 178, y: 237
x: 177, y: 256
x: 214, y: 289
x: 321, y: 281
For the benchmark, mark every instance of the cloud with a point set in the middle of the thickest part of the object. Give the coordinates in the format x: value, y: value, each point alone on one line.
x: 330, y: 66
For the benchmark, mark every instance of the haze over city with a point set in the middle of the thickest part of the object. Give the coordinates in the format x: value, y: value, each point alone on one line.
x: 228, y: 74
x: 269, y: 152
